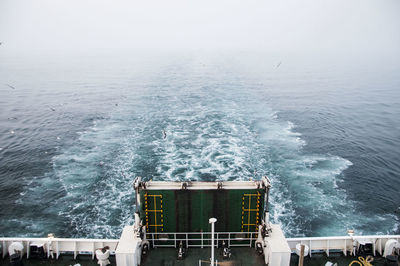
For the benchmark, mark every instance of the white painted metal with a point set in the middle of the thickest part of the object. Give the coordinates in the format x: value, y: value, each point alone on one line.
x: 212, y: 222
x: 201, y: 238
x: 277, y: 247
x: 196, y: 185
x: 62, y: 245
x: 16, y: 247
x: 4, y: 248
x: 102, y: 258
x: 129, y: 250
x: 339, y: 243
x: 327, y: 248
x: 390, y: 245
x: 88, y: 246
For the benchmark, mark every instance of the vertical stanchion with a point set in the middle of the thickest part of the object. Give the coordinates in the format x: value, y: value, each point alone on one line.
x: 212, y: 222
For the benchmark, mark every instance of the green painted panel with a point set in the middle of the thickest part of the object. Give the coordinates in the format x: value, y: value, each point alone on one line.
x: 202, y: 210
x: 168, y: 209
x: 183, y: 210
x: 189, y: 210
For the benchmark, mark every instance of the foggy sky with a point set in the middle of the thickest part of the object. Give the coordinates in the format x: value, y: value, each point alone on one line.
x: 306, y: 26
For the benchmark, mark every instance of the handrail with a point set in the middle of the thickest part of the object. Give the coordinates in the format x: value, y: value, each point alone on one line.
x: 57, y: 239
x: 344, y: 244
x: 202, y: 237
x: 170, y: 233
x: 58, y: 246
x: 342, y: 237
x: 77, y: 246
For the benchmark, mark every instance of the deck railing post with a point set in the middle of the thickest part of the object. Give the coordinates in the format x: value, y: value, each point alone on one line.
x: 57, y: 250
x: 28, y: 250
x: 75, y: 251
x: 380, y: 246
x: 4, y: 249
x: 327, y: 248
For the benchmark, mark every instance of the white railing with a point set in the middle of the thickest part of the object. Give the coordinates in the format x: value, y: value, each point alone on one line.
x: 58, y: 246
x: 340, y: 243
x: 202, y: 239
x: 76, y: 246
x: 246, y: 239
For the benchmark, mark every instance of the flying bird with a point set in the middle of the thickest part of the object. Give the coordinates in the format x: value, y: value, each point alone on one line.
x: 12, y: 87
x: 164, y: 134
x: 278, y: 64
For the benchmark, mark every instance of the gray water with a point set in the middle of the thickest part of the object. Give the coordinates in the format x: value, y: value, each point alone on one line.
x: 74, y: 133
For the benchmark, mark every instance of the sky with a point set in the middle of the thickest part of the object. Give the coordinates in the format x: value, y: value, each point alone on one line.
x: 287, y: 26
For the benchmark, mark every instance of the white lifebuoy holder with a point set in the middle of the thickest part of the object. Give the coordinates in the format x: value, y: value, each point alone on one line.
x: 15, y: 247
x: 102, y: 258
x: 390, y: 245
x: 298, y: 249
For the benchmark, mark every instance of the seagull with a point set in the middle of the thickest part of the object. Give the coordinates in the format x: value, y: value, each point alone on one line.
x: 12, y: 87
x: 164, y: 134
x: 51, y: 108
x: 278, y: 64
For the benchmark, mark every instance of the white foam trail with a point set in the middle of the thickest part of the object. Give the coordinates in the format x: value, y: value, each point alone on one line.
x: 210, y: 135
x: 203, y: 147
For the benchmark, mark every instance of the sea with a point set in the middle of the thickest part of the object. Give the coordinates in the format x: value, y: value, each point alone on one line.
x: 76, y: 130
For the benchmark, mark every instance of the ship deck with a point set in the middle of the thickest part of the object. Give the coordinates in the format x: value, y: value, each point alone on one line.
x: 167, y: 257
x: 241, y: 257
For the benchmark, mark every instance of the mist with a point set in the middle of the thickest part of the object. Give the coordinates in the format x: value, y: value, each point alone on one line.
x: 311, y: 27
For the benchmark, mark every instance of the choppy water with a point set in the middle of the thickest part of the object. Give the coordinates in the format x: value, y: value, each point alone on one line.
x: 75, y: 132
